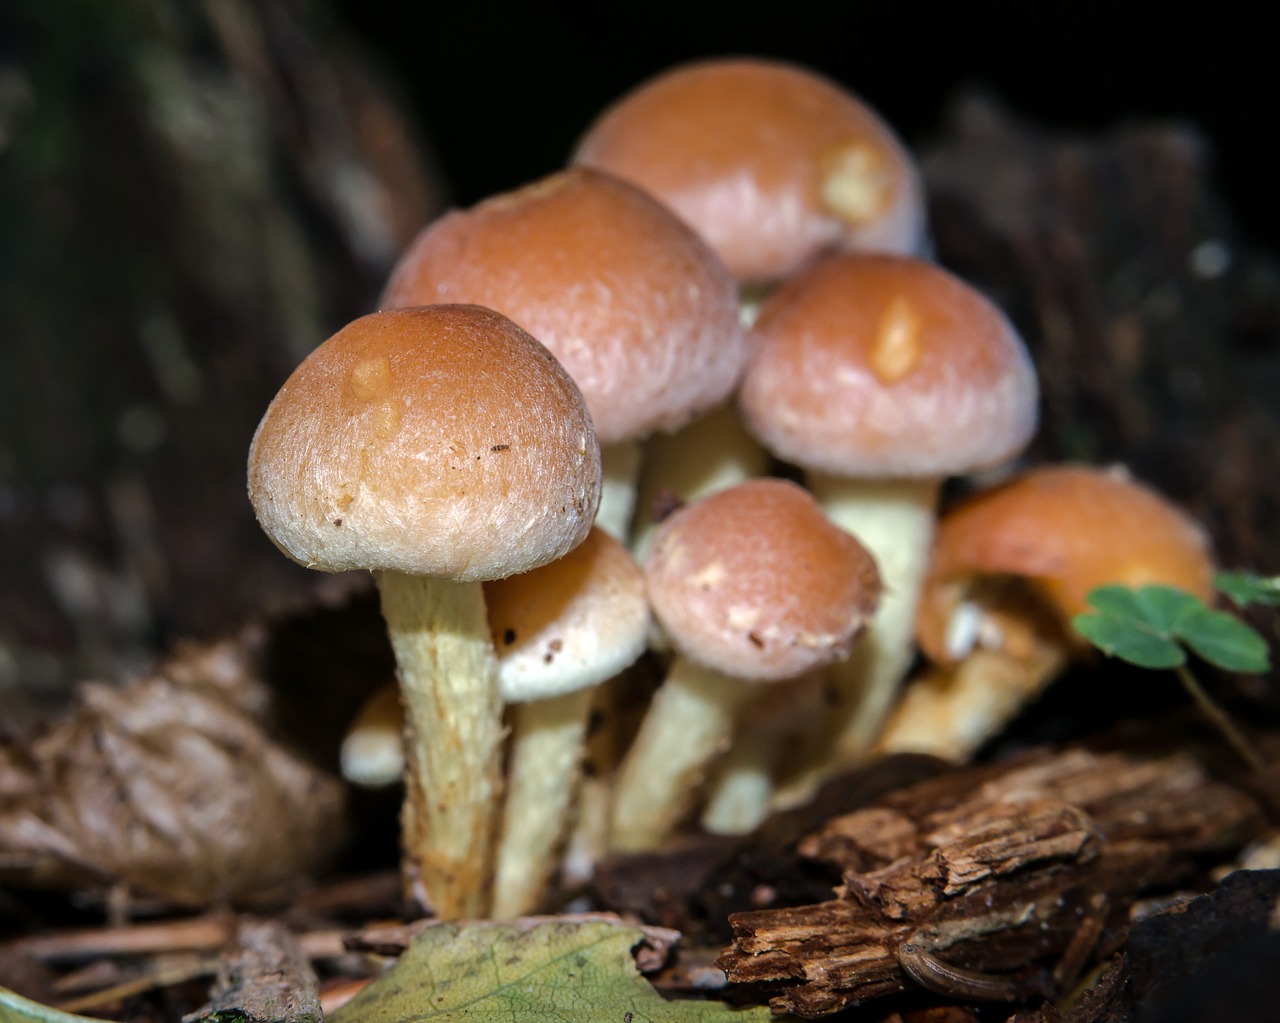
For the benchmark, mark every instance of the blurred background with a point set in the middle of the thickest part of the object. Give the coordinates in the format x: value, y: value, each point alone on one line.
x: 194, y: 193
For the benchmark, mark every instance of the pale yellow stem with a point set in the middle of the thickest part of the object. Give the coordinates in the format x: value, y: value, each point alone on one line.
x: 895, y: 520
x: 689, y: 724
x: 546, y: 753
x: 453, y: 739
x: 951, y: 711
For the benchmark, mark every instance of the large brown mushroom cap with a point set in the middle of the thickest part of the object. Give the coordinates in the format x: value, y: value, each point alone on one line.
x: 769, y: 162
x: 1065, y: 530
x: 887, y: 367
x: 637, y: 308
x: 441, y: 441
x: 756, y: 582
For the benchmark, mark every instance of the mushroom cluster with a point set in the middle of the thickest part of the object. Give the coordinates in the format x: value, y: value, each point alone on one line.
x: 730, y: 229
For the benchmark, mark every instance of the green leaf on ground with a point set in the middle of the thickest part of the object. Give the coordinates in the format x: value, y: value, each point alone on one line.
x: 1122, y: 638
x: 1226, y: 641
x: 16, y: 1009
x: 1149, y: 626
x: 553, y: 971
x: 1245, y: 588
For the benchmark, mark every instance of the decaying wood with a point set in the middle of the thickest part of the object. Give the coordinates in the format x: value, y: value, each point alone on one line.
x: 266, y: 979
x: 997, y: 883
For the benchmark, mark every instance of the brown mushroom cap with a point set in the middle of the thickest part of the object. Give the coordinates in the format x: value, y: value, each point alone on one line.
x: 887, y: 367
x: 770, y: 163
x: 572, y: 623
x: 441, y: 441
x: 637, y: 308
x: 755, y: 582
x: 1066, y: 530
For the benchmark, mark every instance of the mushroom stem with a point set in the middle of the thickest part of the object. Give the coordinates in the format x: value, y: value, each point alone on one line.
x: 689, y: 724
x: 547, y: 746
x: 950, y: 711
x: 619, y: 469
x: 453, y: 738
x: 712, y: 453
x: 743, y: 786
x: 895, y: 520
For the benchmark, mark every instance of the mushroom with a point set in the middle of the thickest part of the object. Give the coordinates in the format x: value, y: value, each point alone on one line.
x: 436, y: 447
x: 880, y: 375
x: 771, y: 163
x: 559, y: 630
x: 753, y: 585
x: 372, y: 752
x: 638, y: 309
x: 1011, y: 566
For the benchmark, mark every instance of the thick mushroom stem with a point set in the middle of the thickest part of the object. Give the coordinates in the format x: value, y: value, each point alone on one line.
x: 544, y: 772
x: 688, y: 725
x: 619, y: 471
x: 951, y: 710
x: 738, y: 797
x: 895, y: 519
x: 453, y: 738
x: 740, y: 794
x: 710, y: 454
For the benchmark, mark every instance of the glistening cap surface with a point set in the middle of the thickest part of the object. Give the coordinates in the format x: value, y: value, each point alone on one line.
x: 438, y: 441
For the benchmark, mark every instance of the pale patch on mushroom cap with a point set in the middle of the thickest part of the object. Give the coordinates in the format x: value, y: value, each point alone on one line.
x: 887, y: 367
x: 634, y: 305
x: 770, y: 163
x: 572, y: 623
x: 755, y: 582
x: 441, y: 441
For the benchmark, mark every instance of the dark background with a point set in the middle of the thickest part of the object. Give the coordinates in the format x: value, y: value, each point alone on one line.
x: 504, y: 89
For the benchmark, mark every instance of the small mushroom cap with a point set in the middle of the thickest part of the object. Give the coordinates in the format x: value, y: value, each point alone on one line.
x: 442, y: 441
x: 757, y: 583
x: 1066, y: 530
x: 570, y: 624
x: 769, y: 162
x: 635, y: 306
x: 887, y: 367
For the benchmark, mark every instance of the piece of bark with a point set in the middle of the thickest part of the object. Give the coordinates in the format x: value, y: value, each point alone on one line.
x: 695, y: 883
x: 265, y: 978
x: 991, y: 883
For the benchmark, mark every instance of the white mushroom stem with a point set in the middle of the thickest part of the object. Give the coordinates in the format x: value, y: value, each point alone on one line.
x: 895, y: 520
x: 619, y: 468
x: 743, y: 786
x: 785, y: 714
x: 689, y: 724
x: 950, y: 711
x: 548, y: 738
x: 453, y: 738
x: 712, y: 453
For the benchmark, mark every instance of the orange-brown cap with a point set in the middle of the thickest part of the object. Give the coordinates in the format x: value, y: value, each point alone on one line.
x: 771, y: 163
x: 1066, y: 530
x: 887, y: 367
x: 638, y: 309
x: 572, y: 623
x: 756, y: 582
x: 439, y: 441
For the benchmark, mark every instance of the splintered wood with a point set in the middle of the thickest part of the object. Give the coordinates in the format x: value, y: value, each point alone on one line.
x: 998, y: 883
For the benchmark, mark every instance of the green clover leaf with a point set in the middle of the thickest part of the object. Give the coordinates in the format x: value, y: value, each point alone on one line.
x: 1245, y: 588
x: 1151, y: 625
